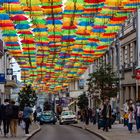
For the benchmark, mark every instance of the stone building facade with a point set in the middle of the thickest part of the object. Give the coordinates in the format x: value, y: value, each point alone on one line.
x: 5, y: 64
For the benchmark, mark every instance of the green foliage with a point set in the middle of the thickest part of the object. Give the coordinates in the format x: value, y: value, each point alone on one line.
x: 27, y: 96
x: 104, y: 79
x: 82, y: 101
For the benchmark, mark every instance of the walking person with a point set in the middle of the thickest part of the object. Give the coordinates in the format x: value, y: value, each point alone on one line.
x: 137, y: 116
x: 130, y: 119
x: 106, y: 113
x: 26, y: 117
x: 125, y: 115
x: 7, y: 112
x: 35, y: 116
x: 94, y: 115
x: 86, y: 117
x: 14, y: 119
x: 90, y: 114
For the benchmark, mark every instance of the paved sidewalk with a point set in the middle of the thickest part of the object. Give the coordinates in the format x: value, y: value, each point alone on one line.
x: 20, y: 133
x: 118, y: 132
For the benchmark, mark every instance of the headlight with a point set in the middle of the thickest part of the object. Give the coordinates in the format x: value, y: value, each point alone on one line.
x: 62, y: 118
x: 51, y: 119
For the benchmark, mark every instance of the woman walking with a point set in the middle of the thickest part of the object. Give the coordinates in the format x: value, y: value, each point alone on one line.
x: 130, y: 119
x: 14, y: 119
x: 26, y: 117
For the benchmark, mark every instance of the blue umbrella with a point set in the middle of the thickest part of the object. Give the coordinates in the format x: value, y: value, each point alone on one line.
x: 39, y: 30
x: 4, y: 17
x: 22, y: 26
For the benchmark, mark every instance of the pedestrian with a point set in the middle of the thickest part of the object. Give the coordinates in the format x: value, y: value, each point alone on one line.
x: 131, y: 104
x: 79, y: 114
x: 99, y: 113
x: 14, y: 119
x: 130, y: 119
x: 35, y: 116
x: 7, y: 112
x: 86, y: 117
x: 106, y: 114
x: 137, y: 115
x: 125, y: 119
x: 125, y: 115
x: 94, y: 115
x: 26, y: 117
x: 20, y: 117
x: 90, y: 114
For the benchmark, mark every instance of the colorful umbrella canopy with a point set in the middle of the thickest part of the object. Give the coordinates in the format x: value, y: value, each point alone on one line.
x: 54, y: 42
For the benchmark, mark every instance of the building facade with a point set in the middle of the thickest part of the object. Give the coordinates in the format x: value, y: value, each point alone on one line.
x: 122, y: 55
x: 128, y: 61
x: 7, y: 81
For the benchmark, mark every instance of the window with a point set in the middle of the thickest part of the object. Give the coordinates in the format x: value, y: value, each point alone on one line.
x: 129, y: 88
x: 81, y: 84
x: 112, y: 56
x: 124, y: 95
x: 117, y: 56
x: 134, y: 51
x: 123, y: 55
x: 128, y: 54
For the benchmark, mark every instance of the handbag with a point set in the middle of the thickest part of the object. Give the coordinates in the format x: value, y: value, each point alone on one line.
x: 31, y: 117
x: 22, y: 124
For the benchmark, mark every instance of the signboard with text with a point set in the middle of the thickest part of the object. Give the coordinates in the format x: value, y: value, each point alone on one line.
x: 2, y: 78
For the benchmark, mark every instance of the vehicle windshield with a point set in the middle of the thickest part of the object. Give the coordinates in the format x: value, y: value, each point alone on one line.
x: 48, y: 113
x: 67, y: 113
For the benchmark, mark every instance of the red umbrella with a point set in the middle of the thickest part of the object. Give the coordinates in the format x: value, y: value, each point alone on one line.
x: 6, y: 24
x: 19, y: 18
x: 27, y: 41
x: 25, y: 32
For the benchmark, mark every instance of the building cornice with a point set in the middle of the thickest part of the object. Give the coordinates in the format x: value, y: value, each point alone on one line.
x: 128, y: 34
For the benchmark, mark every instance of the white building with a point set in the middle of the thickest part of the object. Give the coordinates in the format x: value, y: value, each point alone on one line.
x: 7, y: 81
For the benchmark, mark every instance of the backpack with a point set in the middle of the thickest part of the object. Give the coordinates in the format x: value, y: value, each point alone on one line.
x: 9, y: 110
x: 138, y: 111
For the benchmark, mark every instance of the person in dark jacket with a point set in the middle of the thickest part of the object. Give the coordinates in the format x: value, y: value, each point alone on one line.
x: 6, y: 112
x: 35, y: 116
x: 106, y: 114
x: 26, y: 117
x: 14, y: 119
x: 86, y: 117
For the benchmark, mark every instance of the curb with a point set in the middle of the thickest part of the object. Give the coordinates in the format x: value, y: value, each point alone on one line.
x: 33, y: 133
x: 95, y: 133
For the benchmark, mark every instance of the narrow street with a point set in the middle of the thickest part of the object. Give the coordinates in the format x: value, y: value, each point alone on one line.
x: 64, y: 132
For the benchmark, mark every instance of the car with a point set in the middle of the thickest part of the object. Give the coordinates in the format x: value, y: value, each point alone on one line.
x: 68, y: 117
x: 47, y: 117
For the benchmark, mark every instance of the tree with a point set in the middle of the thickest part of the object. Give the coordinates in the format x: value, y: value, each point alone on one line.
x: 82, y: 101
x: 27, y: 96
x: 105, y: 80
